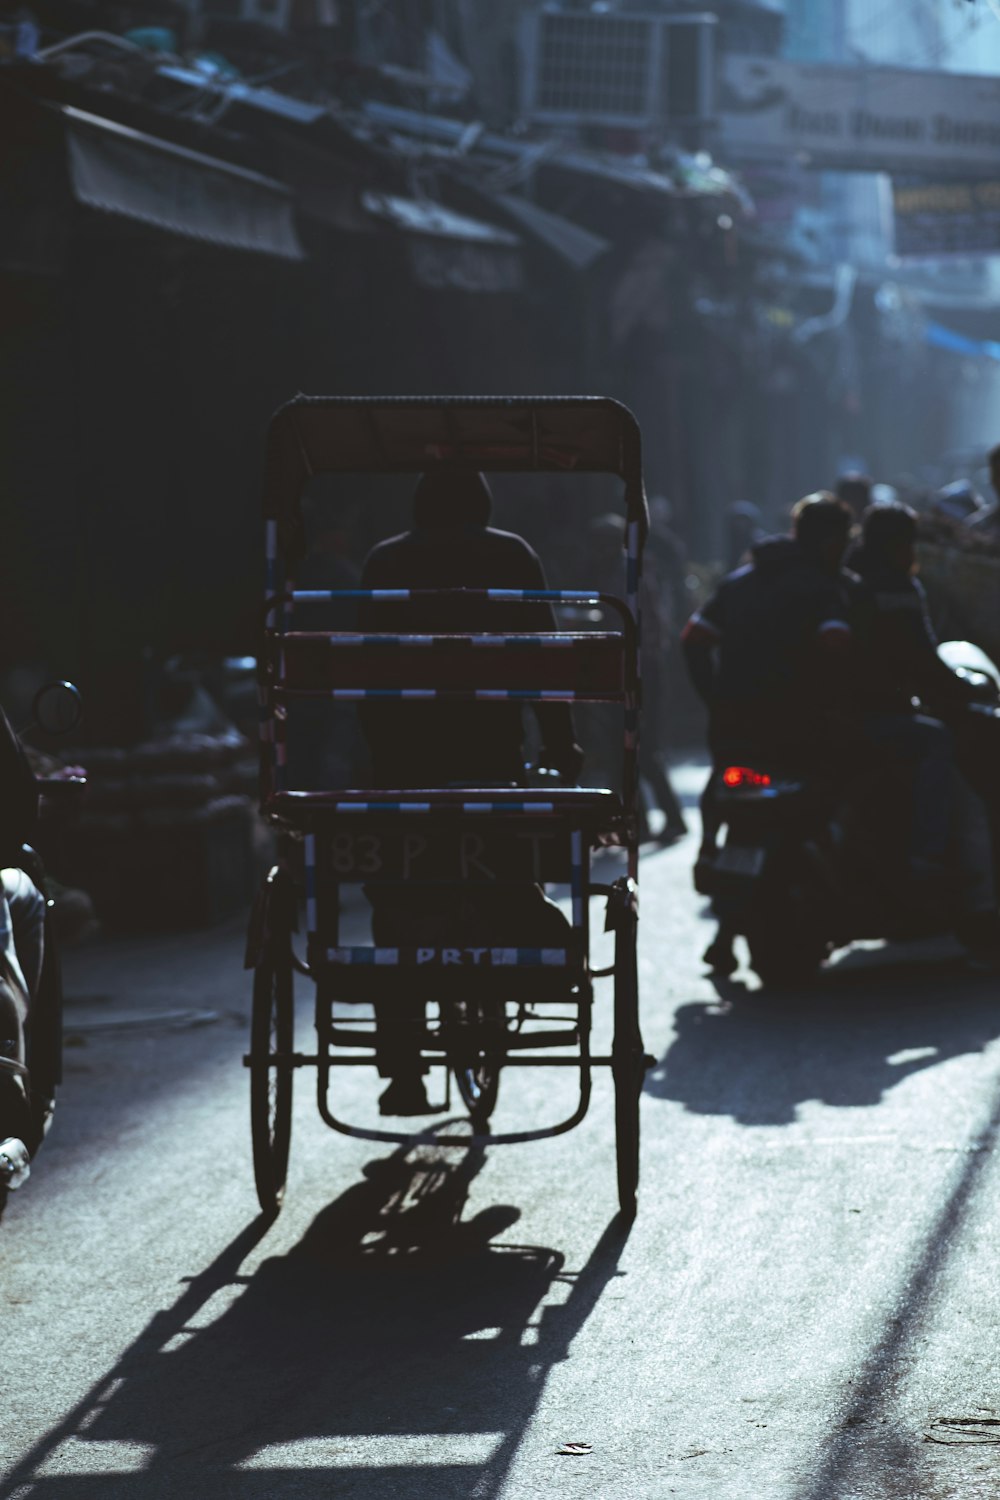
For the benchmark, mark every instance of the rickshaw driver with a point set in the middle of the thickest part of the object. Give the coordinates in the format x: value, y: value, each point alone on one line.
x: 451, y: 545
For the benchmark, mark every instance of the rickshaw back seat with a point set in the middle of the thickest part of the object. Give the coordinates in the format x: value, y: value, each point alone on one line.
x: 594, y: 809
x: 589, y: 665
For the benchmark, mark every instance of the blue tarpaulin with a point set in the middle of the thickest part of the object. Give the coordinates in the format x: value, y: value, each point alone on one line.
x: 941, y: 337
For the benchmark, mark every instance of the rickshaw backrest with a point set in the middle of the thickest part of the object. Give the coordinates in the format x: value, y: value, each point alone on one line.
x: 412, y: 434
x: 559, y: 665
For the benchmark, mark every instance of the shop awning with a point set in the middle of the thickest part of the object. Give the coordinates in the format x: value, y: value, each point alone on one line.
x: 450, y: 250
x: 122, y: 171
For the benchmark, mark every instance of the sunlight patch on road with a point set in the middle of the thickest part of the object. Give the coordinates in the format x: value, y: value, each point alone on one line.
x: 86, y: 1456
x: 385, y: 1451
x: 807, y: 1142
x: 910, y: 1055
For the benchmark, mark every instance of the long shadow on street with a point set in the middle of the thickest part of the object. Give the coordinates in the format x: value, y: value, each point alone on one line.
x: 396, y: 1343
x: 863, y: 1027
x: 869, y: 1023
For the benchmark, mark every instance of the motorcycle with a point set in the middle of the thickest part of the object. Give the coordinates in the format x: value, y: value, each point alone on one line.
x: 31, y: 1026
x: 803, y: 868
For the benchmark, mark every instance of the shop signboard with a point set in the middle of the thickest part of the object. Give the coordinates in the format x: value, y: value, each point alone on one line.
x: 950, y: 217
x: 863, y: 119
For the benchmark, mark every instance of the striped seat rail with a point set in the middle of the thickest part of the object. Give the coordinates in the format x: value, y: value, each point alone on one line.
x: 500, y: 666
x: 279, y: 608
x: 448, y: 836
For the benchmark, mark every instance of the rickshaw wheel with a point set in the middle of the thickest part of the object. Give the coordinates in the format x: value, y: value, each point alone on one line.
x: 475, y: 1054
x: 271, y: 1031
x: 627, y: 1066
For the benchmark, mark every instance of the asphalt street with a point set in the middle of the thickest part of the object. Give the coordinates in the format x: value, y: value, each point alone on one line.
x: 807, y: 1306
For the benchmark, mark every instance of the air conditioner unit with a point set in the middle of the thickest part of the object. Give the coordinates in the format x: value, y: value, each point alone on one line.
x: 624, y: 68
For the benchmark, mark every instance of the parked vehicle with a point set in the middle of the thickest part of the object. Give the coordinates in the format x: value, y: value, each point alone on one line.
x: 809, y: 865
x: 31, y: 1072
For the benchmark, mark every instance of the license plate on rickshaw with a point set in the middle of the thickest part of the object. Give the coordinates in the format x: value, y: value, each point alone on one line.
x: 428, y: 852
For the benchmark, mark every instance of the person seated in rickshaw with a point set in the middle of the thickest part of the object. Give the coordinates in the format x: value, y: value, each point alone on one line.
x: 436, y: 744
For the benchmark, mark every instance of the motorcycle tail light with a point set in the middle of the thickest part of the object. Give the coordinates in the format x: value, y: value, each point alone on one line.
x: 743, y: 776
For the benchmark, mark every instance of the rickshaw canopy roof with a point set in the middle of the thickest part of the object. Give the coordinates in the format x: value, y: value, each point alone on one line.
x: 412, y: 434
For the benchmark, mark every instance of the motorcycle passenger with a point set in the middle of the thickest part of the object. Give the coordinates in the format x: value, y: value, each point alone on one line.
x: 898, y: 662
x: 452, y: 546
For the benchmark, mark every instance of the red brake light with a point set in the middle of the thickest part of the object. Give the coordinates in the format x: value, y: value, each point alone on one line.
x: 735, y: 776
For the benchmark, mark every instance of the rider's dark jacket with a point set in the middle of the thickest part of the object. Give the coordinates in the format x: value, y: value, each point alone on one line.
x: 896, y: 656
x: 765, y: 651
x: 427, y: 744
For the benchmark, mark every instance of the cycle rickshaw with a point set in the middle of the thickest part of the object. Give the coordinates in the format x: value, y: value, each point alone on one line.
x: 493, y: 1007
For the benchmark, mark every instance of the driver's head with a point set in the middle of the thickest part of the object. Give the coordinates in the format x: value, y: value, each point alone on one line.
x: 452, y: 497
x: 821, y: 524
x: 889, y: 535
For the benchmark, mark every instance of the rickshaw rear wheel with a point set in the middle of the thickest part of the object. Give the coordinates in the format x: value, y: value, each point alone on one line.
x: 627, y: 1064
x: 474, y: 1030
x: 271, y: 1033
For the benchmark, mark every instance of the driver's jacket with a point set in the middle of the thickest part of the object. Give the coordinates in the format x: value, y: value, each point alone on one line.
x: 431, y: 744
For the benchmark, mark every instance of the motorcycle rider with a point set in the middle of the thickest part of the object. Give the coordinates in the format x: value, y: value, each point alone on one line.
x: 452, y: 546
x: 896, y: 662
x: 766, y: 648
x: 768, y: 654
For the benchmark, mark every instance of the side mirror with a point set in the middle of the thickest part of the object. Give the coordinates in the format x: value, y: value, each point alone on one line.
x: 58, y: 708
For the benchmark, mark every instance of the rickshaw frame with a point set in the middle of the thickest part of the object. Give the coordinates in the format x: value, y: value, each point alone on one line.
x: 389, y: 435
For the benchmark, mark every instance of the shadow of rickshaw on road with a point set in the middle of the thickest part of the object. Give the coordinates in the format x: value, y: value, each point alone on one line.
x: 396, y: 1341
x: 869, y: 1021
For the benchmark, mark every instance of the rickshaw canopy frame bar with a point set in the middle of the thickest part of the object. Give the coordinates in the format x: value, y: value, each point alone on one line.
x: 313, y: 435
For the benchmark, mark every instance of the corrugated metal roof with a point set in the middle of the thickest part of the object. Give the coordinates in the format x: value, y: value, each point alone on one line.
x: 693, y: 174
x: 284, y: 106
x: 415, y: 216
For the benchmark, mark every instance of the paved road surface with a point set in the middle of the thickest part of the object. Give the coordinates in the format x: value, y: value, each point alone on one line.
x: 807, y: 1308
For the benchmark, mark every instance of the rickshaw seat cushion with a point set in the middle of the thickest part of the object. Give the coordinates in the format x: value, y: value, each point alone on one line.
x: 593, y: 807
